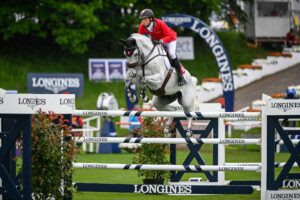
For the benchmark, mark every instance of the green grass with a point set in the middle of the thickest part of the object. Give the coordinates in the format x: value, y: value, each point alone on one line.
x: 23, y: 55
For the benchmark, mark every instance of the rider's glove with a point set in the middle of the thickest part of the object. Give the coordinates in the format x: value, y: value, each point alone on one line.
x: 156, y: 42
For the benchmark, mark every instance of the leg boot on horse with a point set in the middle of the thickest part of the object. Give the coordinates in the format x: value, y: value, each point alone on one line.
x: 176, y: 64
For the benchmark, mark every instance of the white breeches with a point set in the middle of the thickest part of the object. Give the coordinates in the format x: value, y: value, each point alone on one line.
x: 171, y: 48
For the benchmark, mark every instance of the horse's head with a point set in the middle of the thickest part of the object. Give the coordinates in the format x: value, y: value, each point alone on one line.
x: 135, y: 48
x: 131, y: 50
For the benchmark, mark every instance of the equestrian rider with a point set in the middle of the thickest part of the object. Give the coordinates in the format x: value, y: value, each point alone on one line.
x: 159, y: 31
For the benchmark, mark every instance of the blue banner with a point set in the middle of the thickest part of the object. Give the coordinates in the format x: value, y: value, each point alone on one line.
x: 216, y: 46
x: 44, y: 83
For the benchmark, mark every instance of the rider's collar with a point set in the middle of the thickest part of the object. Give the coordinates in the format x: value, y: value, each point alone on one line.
x: 150, y: 27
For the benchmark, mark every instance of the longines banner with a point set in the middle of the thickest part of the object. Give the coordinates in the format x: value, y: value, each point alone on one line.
x: 42, y: 83
x: 107, y: 69
x: 32, y: 103
x: 216, y: 46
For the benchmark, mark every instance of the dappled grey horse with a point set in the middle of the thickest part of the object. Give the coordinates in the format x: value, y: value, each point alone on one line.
x: 149, y: 69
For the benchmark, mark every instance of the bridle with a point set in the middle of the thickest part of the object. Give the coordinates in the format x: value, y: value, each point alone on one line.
x: 144, y: 60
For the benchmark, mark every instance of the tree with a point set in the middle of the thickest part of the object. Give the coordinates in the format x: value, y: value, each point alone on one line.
x: 70, y: 23
x: 232, y: 11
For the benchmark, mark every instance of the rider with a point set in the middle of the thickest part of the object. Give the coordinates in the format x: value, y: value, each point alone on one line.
x: 158, y: 30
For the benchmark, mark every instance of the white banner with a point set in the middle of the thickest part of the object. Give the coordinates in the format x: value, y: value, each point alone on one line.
x: 31, y: 103
x: 185, y: 48
x: 283, y: 107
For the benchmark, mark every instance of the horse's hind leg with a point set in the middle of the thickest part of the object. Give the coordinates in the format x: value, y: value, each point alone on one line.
x: 187, y: 101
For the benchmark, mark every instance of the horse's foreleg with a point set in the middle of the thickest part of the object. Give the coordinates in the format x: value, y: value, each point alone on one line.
x: 143, y: 95
x: 132, y: 97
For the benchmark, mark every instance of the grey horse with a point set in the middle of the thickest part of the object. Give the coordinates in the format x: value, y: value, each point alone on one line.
x: 149, y: 69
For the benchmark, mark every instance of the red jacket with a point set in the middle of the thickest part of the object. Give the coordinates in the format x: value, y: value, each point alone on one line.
x: 160, y: 31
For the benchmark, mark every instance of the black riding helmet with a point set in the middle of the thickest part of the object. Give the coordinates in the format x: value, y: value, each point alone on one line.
x: 146, y: 13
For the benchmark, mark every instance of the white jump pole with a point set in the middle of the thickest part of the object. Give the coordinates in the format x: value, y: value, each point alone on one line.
x: 258, y: 164
x: 113, y: 113
x: 233, y: 141
x: 166, y: 167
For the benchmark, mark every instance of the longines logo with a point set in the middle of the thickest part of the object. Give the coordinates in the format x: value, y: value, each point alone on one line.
x: 177, y: 20
x: 68, y: 102
x: 285, y: 106
x: 32, y: 102
x: 163, y: 189
x: 294, y: 183
x: 1, y: 100
x: 55, y: 85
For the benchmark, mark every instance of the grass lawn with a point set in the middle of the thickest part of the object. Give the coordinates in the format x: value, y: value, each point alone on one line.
x: 233, y: 154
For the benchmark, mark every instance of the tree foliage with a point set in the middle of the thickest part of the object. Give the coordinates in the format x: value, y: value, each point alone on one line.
x: 72, y: 23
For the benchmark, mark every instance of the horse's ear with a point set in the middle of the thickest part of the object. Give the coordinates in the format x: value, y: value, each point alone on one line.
x: 123, y: 41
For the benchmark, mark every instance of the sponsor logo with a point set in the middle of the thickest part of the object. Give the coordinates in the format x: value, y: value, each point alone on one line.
x: 231, y: 141
x: 285, y: 106
x: 1, y: 100
x: 32, y: 102
x: 177, y: 21
x: 163, y: 189
x: 99, y: 113
x: 55, y: 85
x: 293, y: 195
x: 95, y: 139
x: 219, y: 53
x: 68, y: 102
x: 247, y: 119
x: 231, y: 168
x: 232, y: 114
x: 101, y: 166
x: 291, y: 183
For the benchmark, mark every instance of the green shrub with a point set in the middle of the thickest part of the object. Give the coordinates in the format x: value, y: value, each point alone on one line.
x: 52, y: 157
x: 152, y: 153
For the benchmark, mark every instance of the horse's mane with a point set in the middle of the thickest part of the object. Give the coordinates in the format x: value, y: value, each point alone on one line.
x: 142, y: 41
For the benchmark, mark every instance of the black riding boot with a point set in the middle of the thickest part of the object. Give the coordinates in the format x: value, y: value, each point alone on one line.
x: 177, y: 66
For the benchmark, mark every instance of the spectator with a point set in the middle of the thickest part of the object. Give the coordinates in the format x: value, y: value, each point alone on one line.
x: 77, y: 122
x: 290, y: 38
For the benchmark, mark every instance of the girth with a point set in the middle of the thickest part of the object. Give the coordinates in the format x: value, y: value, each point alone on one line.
x: 161, y: 91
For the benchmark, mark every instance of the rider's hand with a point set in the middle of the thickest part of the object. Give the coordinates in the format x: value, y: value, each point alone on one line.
x: 156, y: 42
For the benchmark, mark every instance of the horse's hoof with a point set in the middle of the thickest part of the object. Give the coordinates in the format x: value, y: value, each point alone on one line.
x: 189, y: 133
x: 133, y: 99
x: 145, y: 99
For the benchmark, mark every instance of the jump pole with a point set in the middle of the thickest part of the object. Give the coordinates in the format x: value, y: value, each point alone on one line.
x: 114, y: 113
